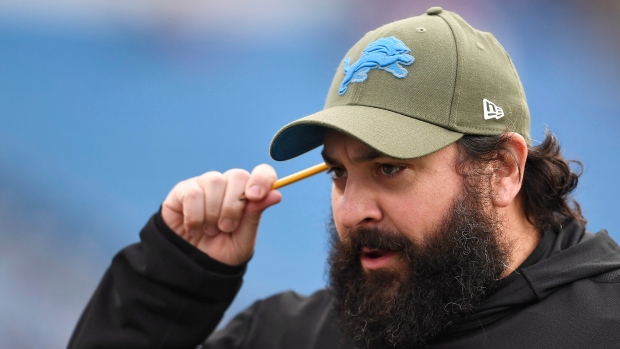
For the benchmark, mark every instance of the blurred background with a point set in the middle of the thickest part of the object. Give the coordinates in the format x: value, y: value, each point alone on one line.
x: 105, y: 105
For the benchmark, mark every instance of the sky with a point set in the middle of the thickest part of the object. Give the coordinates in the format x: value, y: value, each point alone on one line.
x: 106, y: 105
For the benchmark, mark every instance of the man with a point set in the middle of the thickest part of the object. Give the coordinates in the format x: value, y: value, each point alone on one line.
x: 450, y: 230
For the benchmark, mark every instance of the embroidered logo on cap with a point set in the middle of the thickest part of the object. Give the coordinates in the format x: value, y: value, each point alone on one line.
x: 389, y: 54
x: 491, y: 111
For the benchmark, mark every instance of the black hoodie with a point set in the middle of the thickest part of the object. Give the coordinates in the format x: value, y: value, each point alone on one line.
x: 162, y: 293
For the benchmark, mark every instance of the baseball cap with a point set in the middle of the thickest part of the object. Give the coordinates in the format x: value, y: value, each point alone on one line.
x: 414, y: 86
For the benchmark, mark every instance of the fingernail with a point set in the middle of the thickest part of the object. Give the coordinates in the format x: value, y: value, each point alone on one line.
x: 227, y: 225
x: 211, y: 230
x: 254, y: 191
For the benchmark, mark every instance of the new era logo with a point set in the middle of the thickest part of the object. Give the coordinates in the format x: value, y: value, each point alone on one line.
x: 491, y: 111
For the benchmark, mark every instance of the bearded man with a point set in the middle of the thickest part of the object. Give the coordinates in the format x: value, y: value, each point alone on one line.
x: 449, y: 229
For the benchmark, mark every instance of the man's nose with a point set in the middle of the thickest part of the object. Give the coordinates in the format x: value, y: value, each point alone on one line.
x: 358, y: 206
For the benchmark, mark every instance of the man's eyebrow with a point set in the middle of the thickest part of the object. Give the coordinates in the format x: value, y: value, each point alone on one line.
x: 366, y: 156
x: 327, y: 159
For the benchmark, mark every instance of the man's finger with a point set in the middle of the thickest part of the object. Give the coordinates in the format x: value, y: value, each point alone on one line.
x: 260, y: 182
x: 232, y: 208
x: 214, y: 186
x: 192, y: 198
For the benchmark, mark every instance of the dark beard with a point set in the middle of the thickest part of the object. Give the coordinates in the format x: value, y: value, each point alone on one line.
x: 442, y: 280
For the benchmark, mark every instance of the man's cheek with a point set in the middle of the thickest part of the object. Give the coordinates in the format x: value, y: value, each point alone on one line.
x: 340, y: 229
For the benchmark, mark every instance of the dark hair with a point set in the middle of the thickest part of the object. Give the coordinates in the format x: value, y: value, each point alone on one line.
x: 547, y: 180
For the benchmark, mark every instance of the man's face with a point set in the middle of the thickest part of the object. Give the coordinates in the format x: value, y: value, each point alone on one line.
x: 372, y: 190
x: 414, y: 246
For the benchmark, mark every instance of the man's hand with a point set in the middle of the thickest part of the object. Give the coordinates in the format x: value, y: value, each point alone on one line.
x: 219, y: 212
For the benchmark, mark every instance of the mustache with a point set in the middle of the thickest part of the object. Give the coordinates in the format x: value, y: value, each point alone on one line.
x: 375, y: 238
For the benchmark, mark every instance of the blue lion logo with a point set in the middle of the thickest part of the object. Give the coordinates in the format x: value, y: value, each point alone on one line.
x: 389, y: 54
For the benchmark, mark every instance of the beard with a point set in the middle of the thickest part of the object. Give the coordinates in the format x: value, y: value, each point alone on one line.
x: 437, y: 282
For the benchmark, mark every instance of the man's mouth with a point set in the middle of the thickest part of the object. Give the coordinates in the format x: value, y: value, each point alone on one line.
x: 372, y: 258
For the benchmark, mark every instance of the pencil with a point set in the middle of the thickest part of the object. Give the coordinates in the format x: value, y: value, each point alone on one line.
x: 310, y: 171
x: 300, y: 175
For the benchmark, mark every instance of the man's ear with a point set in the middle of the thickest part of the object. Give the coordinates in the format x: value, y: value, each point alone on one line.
x: 508, y: 176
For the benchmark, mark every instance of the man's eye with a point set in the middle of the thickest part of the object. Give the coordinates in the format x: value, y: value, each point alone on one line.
x: 388, y: 169
x: 337, y: 172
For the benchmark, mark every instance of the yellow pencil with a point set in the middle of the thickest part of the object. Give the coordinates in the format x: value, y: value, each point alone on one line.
x: 300, y: 175
x: 310, y: 171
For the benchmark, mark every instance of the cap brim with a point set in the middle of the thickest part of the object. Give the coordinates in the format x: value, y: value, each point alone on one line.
x: 390, y: 133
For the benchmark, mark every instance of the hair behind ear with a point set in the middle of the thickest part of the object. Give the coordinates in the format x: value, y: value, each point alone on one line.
x: 548, y: 183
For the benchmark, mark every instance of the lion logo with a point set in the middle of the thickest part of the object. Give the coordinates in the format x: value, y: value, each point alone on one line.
x: 389, y: 54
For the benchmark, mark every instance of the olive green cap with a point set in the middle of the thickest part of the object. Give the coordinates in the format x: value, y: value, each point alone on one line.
x: 414, y: 86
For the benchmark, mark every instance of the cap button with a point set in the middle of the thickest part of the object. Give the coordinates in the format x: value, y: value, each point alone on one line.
x: 434, y: 10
